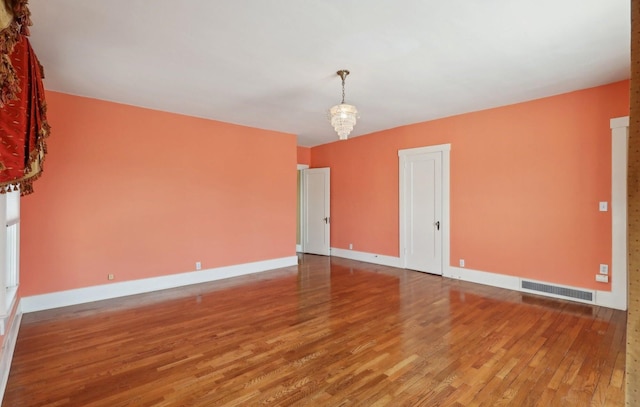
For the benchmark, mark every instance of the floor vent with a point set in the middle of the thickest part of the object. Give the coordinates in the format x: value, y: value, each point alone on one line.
x: 557, y: 291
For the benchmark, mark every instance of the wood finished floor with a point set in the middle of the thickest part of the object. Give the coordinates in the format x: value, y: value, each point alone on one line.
x: 331, y: 332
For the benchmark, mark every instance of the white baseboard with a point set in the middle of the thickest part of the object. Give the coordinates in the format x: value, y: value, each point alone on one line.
x: 483, y: 277
x: 366, y: 257
x: 7, y: 350
x: 125, y: 288
x: 606, y: 299
x: 611, y: 299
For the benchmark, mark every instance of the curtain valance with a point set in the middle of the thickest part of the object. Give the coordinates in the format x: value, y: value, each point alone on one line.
x: 23, y: 123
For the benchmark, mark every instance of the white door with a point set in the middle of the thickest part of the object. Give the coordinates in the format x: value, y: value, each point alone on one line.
x: 317, y: 219
x: 422, y: 222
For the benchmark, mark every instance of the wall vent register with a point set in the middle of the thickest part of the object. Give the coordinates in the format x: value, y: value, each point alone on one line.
x: 557, y: 290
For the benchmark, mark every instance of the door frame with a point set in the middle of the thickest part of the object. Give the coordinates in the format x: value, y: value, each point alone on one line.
x: 404, y: 156
x: 303, y: 206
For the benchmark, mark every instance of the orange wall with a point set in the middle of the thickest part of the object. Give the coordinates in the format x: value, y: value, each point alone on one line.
x: 141, y: 193
x: 304, y: 155
x: 526, y: 180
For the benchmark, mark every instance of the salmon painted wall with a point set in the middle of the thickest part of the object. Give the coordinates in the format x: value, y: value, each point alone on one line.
x: 141, y: 193
x: 304, y: 155
x: 526, y: 180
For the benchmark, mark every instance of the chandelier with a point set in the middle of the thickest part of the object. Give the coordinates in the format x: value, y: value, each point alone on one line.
x: 343, y: 116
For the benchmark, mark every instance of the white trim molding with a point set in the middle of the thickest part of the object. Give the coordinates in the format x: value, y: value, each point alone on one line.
x: 107, y: 291
x: 8, y: 347
x: 404, y: 155
x: 617, y: 297
x: 483, y: 277
x: 6, y: 318
x: 619, y: 122
x: 381, y: 259
x: 514, y: 283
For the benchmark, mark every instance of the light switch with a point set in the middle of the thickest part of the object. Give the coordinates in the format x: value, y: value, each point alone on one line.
x: 604, y: 269
x: 602, y: 278
x: 604, y: 206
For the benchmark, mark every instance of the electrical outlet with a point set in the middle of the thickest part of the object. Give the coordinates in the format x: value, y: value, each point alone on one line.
x: 350, y: 246
x: 198, y: 265
x: 603, y: 206
x: 110, y: 276
x: 604, y: 269
x: 601, y: 278
x: 461, y: 262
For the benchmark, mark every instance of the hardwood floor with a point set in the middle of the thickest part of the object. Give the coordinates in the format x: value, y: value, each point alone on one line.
x: 331, y: 332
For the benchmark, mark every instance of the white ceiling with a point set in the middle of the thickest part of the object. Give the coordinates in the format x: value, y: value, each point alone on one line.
x: 271, y: 63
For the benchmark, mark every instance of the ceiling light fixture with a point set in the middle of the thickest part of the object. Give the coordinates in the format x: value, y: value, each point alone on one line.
x: 343, y: 116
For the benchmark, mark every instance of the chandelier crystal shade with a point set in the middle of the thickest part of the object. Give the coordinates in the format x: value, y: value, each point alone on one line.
x: 343, y: 116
